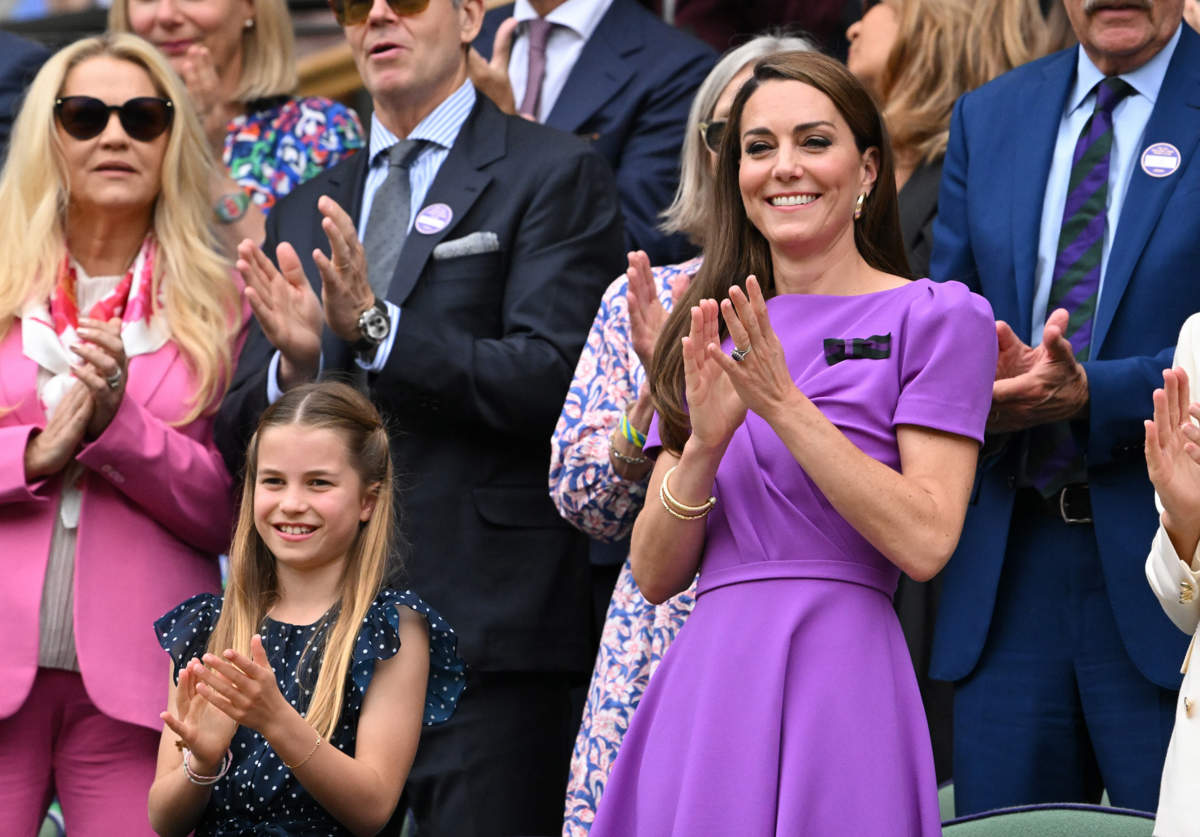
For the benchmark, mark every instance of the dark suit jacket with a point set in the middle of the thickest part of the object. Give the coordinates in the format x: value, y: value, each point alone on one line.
x: 986, y: 235
x: 918, y: 202
x: 484, y: 352
x: 19, y: 62
x: 629, y: 95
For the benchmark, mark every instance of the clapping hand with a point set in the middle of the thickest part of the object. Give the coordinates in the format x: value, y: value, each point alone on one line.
x: 1036, y: 385
x: 285, y: 306
x: 243, y: 688
x: 1173, y: 459
x: 49, y: 451
x: 761, y: 377
x: 199, y: 74
x: 202, y: 728
x: 646, y: 314
x: 345, y: 290
x: 105, y: 371
x: 714, y: 406
x: 491, y: 77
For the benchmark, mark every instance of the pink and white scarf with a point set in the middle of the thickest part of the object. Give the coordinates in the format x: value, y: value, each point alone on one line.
x: 48, y: 328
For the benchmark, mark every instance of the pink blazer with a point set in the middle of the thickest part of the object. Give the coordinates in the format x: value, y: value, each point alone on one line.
x: 156, y: 511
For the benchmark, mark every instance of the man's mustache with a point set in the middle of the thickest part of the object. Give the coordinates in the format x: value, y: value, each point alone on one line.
x: 1090, y: 6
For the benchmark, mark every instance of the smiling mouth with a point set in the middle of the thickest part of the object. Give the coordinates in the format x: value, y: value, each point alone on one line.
x: 295, y: 530
x: 792, y: 200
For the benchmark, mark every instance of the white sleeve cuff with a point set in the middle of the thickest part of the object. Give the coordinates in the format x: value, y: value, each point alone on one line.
x: 274, y: 391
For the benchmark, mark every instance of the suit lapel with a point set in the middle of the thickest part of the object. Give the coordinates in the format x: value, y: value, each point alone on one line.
x: 1176, y: 120
x: 602, y: 70
x: 1030, y: 168
x: 459, y: 183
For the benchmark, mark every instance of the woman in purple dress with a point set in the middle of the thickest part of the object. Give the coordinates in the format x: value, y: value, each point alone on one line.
x: 831, y: 411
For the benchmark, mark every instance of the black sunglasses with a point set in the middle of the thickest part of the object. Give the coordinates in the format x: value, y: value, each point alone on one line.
x: 144, y: 118
x: 711, y: 133
x: 354, y: 12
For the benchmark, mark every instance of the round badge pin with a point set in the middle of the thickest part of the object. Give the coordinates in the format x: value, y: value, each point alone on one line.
x: 1161, y: 159
x: 433, y: 218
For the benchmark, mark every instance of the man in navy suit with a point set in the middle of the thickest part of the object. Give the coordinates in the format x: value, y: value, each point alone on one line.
x: 507, y: 234
x: 1064, y: 667
x: 19, y: 62
x: 617, y: 76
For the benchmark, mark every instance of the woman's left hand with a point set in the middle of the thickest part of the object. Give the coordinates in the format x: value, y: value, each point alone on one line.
x: 105, y: 370
x: 199, y: 74
x: 242, y: 687
x: 761, y: 377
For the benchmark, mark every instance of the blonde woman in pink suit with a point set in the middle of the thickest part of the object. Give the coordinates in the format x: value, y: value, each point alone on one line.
x: 119, y: 322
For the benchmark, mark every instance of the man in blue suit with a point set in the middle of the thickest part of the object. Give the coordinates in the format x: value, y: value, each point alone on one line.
x: 620, y: 78
x: 1069, y: 200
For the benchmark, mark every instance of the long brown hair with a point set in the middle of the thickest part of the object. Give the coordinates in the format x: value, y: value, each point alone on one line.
x: 253, y: 584
x: 734, y: 248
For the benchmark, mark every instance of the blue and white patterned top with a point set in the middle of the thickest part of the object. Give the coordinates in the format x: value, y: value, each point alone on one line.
x: 260, y: 795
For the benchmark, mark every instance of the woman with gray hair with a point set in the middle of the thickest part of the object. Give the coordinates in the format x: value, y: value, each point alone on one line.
x: 598, y: 473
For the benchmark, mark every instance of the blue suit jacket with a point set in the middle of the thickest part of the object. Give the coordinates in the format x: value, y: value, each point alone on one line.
x: 986, y: 235
x: 629, y: 95
x: 19, y: 62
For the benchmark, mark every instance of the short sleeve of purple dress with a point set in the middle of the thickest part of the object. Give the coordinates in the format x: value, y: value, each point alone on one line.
x: 788, y: 704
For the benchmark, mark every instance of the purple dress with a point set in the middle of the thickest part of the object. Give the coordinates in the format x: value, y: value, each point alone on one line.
x: 788, y: 704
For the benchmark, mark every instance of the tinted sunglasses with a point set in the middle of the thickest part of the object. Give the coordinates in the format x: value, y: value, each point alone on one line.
x: 144, y: 118
x: 711, y: 133
x: 354, y: 12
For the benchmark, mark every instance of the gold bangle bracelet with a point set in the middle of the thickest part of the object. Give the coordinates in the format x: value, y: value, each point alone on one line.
x: 304, y: 760
x: 684, y: 508
x: 678, y: 509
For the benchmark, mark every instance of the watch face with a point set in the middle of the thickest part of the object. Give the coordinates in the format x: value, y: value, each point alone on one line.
x: 375, y: 324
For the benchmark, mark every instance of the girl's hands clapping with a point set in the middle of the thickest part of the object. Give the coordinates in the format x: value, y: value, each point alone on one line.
x: 1173, y: 458
x: 761, y: 378
x: 203, y: 728
x: 243, y: 688
x: 714, y: 406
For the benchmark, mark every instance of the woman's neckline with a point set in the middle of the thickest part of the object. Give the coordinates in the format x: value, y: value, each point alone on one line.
x: 803, y: 295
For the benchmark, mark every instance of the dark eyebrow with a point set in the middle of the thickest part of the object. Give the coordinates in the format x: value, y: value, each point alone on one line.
x: 807, y: 126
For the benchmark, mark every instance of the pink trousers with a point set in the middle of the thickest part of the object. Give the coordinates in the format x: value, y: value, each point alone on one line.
x: 59, y: 743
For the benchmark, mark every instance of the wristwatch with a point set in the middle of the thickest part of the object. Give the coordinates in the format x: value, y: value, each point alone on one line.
x: 374, y: 325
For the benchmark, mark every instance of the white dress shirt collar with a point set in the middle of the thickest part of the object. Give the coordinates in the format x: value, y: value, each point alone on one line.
x: 580, y: 16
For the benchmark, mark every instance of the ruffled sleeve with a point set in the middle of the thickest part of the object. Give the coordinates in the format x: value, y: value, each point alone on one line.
x: 379, y: 639
x: 183, y: 632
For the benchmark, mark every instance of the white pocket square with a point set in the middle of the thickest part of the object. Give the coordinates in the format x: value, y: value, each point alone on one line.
x: 468, y: 245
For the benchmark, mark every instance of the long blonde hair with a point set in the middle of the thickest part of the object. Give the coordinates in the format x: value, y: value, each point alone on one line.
x: 1008, y: 33
x: 268, y: 49
x: 924, y: 74
x: 192, y: 282
x: 253, y: 584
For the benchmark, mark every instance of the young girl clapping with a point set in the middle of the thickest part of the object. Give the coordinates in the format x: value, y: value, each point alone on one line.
x: 298, y: 698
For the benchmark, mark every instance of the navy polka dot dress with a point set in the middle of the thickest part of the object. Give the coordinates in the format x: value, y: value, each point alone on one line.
x: 259, y: 795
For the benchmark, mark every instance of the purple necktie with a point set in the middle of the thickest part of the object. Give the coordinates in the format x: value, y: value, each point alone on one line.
x: 1054, y: 460
x: 539, y: 33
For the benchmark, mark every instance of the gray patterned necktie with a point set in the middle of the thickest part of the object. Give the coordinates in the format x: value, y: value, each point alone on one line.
x: 387, y: 225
